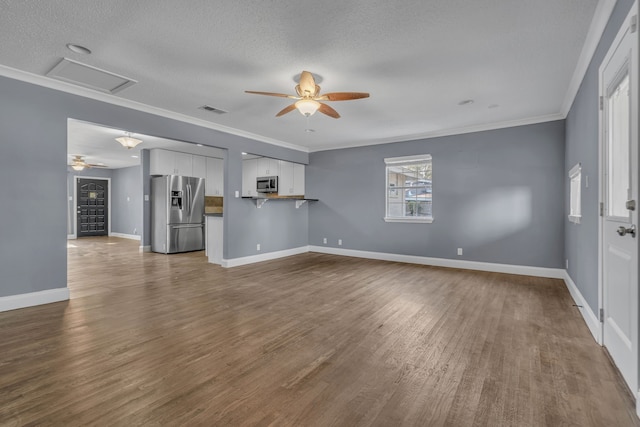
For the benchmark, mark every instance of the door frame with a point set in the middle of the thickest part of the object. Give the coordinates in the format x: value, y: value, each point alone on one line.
x: 74, y: 236
x: 628, y: 21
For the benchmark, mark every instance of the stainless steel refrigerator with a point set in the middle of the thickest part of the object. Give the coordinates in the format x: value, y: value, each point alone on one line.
x: 177, y: 214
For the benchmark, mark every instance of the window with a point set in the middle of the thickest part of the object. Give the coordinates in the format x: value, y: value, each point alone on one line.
x: 409, y: 189
x: 575, y: 180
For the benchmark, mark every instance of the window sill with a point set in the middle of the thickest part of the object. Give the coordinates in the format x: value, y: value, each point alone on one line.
x: 574, y: 219
x: 427, y: 220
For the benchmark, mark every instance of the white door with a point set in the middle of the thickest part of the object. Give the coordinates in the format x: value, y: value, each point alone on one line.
x: 619, y: 165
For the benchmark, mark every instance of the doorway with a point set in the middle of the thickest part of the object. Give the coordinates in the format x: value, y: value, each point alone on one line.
x: 92, y: 207
x: 618, y: 194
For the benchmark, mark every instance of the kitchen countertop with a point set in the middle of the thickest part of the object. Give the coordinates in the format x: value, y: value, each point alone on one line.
x: 213, y: 214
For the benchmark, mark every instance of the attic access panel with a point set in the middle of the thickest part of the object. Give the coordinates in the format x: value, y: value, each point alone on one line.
x: 74, y: 72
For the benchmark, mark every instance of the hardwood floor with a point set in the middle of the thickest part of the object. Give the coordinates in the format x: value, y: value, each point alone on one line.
x: 309, y: 340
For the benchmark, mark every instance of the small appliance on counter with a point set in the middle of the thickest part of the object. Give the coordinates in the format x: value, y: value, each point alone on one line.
x: 177, y: 214
x: 267, y: 184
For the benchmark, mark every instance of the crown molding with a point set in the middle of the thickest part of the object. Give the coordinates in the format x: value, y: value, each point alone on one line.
x: 114, y: 100
x: 449, y: 132
x: 599, y: 22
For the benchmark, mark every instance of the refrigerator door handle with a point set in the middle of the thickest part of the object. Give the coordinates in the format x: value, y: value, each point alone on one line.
x: 186, y: 226
x: 188, y: 199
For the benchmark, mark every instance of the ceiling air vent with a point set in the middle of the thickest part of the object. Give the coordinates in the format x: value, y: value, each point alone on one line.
x: 211, y: 109
x: 80, y: 74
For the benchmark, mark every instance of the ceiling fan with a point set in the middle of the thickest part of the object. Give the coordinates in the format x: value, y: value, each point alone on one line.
x: 308, y: 96
x: 78, y: 163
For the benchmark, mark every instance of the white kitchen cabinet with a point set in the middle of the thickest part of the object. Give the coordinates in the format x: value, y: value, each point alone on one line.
x: 285, y: 178
x: 214, y: 184
x: 214, y: 233
x: 165, y: 162
x: 161, y: 162
x: 249, y: 175
x: 183, y: 164
x: 298, y: 179
x: 267, y: 167
x: 291, y: 179
x: 199, y: 166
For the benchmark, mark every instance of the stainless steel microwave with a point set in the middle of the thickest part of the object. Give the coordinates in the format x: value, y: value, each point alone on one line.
x: 267, y: 184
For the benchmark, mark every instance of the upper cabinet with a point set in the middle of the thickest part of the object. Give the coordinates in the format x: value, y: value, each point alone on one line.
x: 249, y: 175
x: 214, y: 183
x: 199, y: 164
x: 291, y: 179
x: 267, y: 167
x: 298, y: 179
x: 165, y: 162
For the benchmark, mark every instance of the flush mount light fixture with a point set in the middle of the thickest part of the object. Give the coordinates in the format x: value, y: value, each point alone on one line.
x: 128, y: 141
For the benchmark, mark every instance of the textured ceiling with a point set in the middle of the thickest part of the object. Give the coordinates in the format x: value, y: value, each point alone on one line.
x: 417, y: 58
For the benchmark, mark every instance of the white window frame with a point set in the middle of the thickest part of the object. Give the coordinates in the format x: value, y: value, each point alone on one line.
x: 575, y: 194
x: 394, y: 161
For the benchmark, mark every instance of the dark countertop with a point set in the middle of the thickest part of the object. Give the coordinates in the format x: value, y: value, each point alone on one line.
x: 213, y: 214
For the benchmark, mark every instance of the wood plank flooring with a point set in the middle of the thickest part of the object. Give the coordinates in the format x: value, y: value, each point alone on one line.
x: 309, y: 340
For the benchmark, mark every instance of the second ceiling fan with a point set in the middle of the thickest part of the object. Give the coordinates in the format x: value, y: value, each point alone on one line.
x: 308, y: 96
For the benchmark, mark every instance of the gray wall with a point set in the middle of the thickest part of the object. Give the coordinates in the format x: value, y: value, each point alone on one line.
x: 581, y: 240
x: 33, y: 146
x: 498, y: 194
x: 126, y: 201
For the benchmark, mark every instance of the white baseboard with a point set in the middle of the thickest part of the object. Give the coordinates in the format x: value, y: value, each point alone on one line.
x: 588, y: 315
x: 13, y: 302
x: 71, y: 237
x: 235, y: 262
x: 554, y: 273
x: 126, y: 236
x: 145, y: 248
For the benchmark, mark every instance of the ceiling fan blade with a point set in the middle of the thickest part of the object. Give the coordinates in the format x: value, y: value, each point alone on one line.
x: 281, y: 95
x: 287, y: 109
x: 342, y: 96
x: 325, y: 109
x: 89, y: 165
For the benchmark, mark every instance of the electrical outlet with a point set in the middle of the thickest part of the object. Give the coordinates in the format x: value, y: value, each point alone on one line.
x: 258, y: 246
x: 339, y: 242
x: 237, y: 194
x: 324, y: 240
x: 459, y: 251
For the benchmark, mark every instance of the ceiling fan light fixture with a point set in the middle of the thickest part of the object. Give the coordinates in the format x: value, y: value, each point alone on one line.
x: 307, y: 107
x: 77, y: 167
x: 128, y: 141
